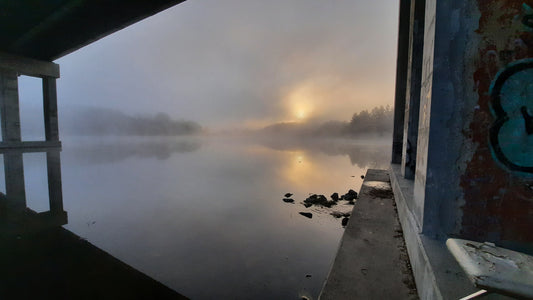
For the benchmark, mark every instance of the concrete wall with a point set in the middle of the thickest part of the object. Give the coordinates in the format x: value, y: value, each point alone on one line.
x: 498, y: 182
x: 474, y: 158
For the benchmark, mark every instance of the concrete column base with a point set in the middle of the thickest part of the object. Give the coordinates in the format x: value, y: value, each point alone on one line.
x: 437, y: 274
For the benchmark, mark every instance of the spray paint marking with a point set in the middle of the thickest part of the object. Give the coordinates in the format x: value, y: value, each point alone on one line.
x: 511, y: 135
x: 527, y: 20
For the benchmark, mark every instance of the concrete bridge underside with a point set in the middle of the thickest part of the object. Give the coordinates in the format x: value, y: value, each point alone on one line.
x: 47, y: 30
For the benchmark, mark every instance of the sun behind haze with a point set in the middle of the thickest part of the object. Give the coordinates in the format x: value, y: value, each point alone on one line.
x: 238, y: 63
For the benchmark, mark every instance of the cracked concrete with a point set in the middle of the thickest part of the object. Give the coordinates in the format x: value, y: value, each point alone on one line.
x: 372, y: 260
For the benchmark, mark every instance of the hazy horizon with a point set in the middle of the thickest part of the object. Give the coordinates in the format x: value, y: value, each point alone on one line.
x: 236, y: 64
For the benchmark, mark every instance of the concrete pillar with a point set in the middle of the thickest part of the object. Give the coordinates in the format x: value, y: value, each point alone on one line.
x: 412, y: 100
x: 10, y: 67
x: 401, y: 80
x: 9, y: 106
x: 14, y: 177
x: 54, y: 181
x: 433, y: 157
x: 447, y: 102
x: 50, y: 109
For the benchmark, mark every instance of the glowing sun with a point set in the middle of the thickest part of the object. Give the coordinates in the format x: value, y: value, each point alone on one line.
x: 301, y: 102
x: 300, y: 114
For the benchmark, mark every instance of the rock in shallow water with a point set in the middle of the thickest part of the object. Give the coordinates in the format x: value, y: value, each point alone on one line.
x: 288, y: 200
x: 306, y: 214
x: 338, y: 214
x: 344, y: 222
x: 335, y: 197
x: 351, y: 195
x: 319, y: 200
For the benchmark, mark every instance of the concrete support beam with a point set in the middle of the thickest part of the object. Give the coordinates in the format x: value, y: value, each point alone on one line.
x: 9, y: 106
x: 39, y: 146
x: 14, y: 177
x: 414, y: 76
x: 446, y: 102
x: 401, y: 80
x: 51, y: 128
x: 11, y: 67
x: 55, y: 191
x: 28, y: 66
x: 426, y: 199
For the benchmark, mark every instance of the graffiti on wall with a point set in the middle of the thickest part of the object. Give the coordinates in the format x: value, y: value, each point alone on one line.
x: 511, y: 95
x: 497, y: 181
x: 511, y: 135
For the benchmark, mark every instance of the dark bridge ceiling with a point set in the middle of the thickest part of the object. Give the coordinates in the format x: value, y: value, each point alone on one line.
x: 49, y: 29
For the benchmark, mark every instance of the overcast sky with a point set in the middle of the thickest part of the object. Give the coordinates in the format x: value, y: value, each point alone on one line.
x: 242, y: 62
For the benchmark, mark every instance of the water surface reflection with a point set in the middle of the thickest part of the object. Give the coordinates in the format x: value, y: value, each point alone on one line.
x: 42, y: 260
x: 206, y: 218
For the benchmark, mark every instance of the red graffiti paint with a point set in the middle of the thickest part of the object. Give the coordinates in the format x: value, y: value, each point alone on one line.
x: 498, y: 199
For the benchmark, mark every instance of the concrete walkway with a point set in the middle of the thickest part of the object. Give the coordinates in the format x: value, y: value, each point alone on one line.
x: 372, y: 261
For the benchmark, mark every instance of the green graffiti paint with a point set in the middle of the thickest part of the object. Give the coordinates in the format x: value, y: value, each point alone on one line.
x: 511, y: 137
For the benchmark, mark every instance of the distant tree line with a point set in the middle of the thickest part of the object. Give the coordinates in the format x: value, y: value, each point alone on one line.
x: 377, y: 121
x: 101, y: 121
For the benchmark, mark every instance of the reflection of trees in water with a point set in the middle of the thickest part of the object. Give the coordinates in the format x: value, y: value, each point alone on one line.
x: 371, y: 153
x: 118, y: 151
x: 364, y: 156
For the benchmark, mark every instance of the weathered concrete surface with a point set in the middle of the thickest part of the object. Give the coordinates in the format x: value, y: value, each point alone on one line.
x: 437, y: 274
x: 372, y: 261
x: 493, y: 268
x: 9, y: 106
x: 474, y: 162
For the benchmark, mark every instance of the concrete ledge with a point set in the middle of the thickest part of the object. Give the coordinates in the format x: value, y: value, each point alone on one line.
x: 371, y: 262
x: 28, y: 66
x: 37, y: 146
x: 29, y: 221
x: 437, y: 274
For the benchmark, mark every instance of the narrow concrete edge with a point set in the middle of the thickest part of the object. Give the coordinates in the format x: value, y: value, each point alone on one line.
x: 411, y: 232
x: 437, y: 274
x: 371, y: 176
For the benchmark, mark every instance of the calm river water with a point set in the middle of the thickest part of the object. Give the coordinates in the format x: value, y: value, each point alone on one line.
x: 205, y: 216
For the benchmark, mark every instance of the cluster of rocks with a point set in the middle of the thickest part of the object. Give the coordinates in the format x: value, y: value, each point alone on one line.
x: 321, y: 200
x: 350, y: 196
x: 318, y: 200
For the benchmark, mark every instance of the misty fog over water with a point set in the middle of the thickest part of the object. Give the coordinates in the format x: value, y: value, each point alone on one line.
x: 200, y: 209
x: 205, y: 216
x: 182, y: 133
